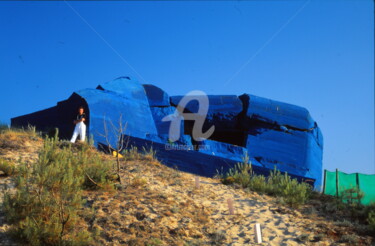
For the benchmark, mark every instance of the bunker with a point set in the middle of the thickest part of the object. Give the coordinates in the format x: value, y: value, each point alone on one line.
x: 274, y: 134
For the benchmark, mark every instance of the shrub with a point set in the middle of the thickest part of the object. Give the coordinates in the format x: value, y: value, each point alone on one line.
x: 352, y: 239
x: 352, y: 196
x: 132, y: 154
x: 7, y: 167
x: 295, y: 193
x: 228, y: 180
x: 276, y: 184
x: 44, y: 209
x: 344, y: 223
x: 259, y: 184
x: 97, y: 171
x: 371, y: 217
x: 241, y: 173
x: 149, y: 154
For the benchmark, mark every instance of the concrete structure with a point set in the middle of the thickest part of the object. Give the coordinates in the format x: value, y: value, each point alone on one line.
x: 274, y: 134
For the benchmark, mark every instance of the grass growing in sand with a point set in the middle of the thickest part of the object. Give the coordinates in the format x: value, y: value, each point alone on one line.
x: 346, y: 210
x: 12, y: 138
x: 156, y: 205
x: 7, y: 167
x: 276, y: 184
x: 44, y: 209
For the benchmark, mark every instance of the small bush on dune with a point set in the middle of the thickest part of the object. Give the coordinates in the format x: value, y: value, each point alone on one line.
x: 132, y: 154
x: 348, y: 212
x: 7, y: 167
x: 97, y: 171
x: 98, y: 174
x: 352, y: 196
x: 349, y: 238
x: 44, y: 209
x: 295, y: 193
x: 276, y: 184
x: 259, y: 184
x: 370, y: 211
x: 371, y: 220
x: 241, y: 173
x: 149, y: 154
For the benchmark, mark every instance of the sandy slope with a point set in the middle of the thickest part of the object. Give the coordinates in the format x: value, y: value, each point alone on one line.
x: 163, y: 206
x: 20, y: 148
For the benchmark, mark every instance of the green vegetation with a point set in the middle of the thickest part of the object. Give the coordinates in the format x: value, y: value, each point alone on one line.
x: 13, y: 138
x: 149, y: 154
x: 371, y: 218
x: 351, y: 239
x: 349, y: 212
x: 154, y: 242
x: 45, y: 207
x: 131, y: 154
x: 48, y: 206
x: 346, y: 209
x: 276, y: 184
x: 352, y: 196
x: 7, y: 167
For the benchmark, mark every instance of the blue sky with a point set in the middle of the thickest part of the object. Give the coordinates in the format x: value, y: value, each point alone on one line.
x: 316, y: 54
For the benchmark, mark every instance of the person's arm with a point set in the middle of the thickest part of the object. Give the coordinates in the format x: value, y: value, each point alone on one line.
x: 80, y: 120
x: 83, y: 118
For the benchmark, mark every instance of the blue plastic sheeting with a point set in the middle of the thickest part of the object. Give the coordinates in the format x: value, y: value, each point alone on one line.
x: 127, y: 88
x: 222, y: 111
x: 271, y: 132
x: 318, y: 136
x: 106, y: 109
x: 278, y: 113
x: 287, y: 152
x: 221, y: 149
x: 197, y: 162
x: 156, y: 96
x: 158, y: 113
x: 217, y: 103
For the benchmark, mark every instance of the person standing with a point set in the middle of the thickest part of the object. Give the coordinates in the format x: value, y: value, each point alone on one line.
x: 80, y: 128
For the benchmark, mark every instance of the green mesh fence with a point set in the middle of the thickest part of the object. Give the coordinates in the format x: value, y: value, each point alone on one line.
x: 336, y: 182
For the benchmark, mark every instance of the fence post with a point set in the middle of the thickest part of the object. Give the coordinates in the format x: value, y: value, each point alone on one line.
x: 358, y: 187
x: 337, y: 182
x: 324, y: 181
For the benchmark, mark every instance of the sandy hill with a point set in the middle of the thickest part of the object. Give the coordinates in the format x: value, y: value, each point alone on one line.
x: 157, y: 205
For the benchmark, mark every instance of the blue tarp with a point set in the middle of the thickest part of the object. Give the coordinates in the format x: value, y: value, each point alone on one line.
x: 222, y: 112
x: 156, y: 96
x: 279, y: 113
x: 271, y: 132
x: 121, y: 99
